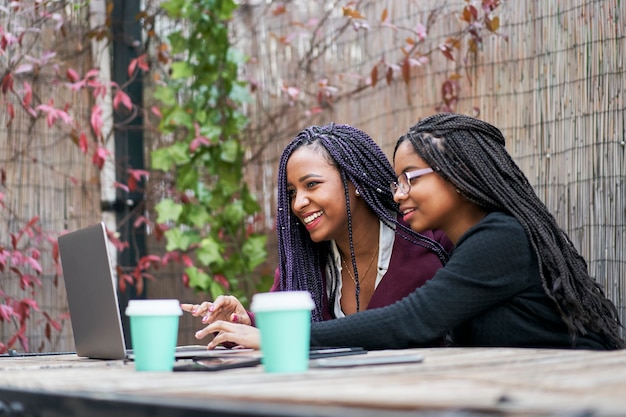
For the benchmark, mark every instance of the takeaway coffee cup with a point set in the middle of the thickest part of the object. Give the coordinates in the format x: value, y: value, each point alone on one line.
x: 284, y: 320
x: 154, y: 333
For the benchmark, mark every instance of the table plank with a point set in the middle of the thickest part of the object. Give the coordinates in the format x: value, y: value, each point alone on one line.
x: 488, y: 381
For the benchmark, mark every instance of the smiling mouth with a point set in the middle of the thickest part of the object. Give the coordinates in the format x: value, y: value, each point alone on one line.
x: 309, y: 219
x: 407, y: 211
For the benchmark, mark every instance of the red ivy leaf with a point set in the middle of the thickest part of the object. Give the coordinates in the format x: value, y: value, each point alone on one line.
x: 490, y: 5
x: 279, y: 10
x: 96, y: 120
x: 83, y: 143
x: 220, y: 279
x: 7, y: 83
x: 374, y: 75
x: 100, y: 156
x: 384, y: 15
x: 28, y: 95
x: 139, y: 62
x: 446, y: 50
x: 389, y: 75
x: 11, y: 111
x: 121, y: 186
x: 121, y: 283
x: 406, y: 71
x: 155, y: 110
x: 55, y: 251
x: 142, y: 62
x: 470, y: 14
x: 72, y: 75
x: 492, y: 24
x: 351, y: 13
x: 122, y: 98
x: 131, y: 67
x: 6, y: 312
x: 187, y: 261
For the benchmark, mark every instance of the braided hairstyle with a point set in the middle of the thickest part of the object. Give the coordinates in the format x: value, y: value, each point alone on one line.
x: 471, y: 155
x: 359, y: 160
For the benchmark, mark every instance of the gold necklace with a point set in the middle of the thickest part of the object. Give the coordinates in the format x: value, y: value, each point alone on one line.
x: 366, y: 271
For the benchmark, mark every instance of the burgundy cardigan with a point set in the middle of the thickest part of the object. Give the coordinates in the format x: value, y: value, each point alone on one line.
x: 410, y: 267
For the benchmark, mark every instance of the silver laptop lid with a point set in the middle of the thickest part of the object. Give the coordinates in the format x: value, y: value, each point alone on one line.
x: 91, y: 294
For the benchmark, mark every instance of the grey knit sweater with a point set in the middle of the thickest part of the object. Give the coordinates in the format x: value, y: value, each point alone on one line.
x: 488, y: 294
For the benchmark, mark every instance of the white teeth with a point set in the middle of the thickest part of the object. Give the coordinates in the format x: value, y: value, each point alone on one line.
x: 407, y: 211
x: 309, y: 219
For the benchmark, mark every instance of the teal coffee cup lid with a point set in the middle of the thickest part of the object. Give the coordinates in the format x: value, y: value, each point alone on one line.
x: 282, y: 300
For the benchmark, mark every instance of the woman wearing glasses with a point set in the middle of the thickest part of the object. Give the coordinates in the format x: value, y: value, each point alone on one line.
x: 514, y: 278
x: 339, y: 233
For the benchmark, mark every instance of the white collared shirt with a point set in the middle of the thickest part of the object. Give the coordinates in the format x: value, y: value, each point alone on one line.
x: 386, y: 239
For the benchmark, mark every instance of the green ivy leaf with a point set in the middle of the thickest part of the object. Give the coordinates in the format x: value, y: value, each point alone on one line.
x: 165, y: 95
x: 198, y: 215
x: 230, y: 150
x: 178, y: 117
x: 236, y: 57
x: 250, y: 204
x: 204, y: 195
x: 167, y: 210
x: 265, y: 283
x: 179, y: 240
x: 164, y: 158
x: 187, y: 177
x: 229, y: 180
x: 198, y: 278
x: 216, y: 290
x: 173, y: 7
x: 180, y: 153
x: 240, y: 93
x: 239, y: 120
x: 181, y: 70
x: 210, y: 131
x: 161, y: 159
x: 225, y: 12
x: 209, y: 252
x: 254, y: 250
x: 178, y: 42
x: 235, y: 213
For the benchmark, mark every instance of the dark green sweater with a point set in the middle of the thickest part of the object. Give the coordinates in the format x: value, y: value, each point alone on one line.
x: 488, y: 294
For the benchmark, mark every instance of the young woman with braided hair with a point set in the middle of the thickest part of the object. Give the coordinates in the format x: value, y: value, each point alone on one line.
x: 339, y: 237
x: 514, y: 277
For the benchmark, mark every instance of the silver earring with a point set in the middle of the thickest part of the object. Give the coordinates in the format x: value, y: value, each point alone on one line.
x: 458, y: 191
x: 357, y: 193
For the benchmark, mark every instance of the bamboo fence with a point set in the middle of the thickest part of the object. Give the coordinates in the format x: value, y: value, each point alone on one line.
x: 552, y: 80
x: 47, y: 176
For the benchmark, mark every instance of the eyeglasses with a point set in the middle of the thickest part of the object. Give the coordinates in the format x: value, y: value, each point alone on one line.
x: 404, y: 181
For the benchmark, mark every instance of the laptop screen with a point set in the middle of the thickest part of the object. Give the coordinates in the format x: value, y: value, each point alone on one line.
x: 91, y: 294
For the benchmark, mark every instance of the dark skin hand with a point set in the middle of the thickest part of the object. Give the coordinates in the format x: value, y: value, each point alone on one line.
x: 242, y: 335
x: 225, y: 307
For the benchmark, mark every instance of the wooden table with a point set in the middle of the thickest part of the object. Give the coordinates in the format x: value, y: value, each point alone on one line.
x: 450, y: 382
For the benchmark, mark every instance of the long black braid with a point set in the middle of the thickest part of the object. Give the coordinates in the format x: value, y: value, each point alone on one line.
x: 471, y: 155
x: 359, y: 160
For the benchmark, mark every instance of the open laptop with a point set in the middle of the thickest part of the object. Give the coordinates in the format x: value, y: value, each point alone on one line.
x: 92, y: 298
x: 94, y: 308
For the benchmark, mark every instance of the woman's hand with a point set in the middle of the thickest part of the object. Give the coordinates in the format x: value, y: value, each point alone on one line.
x: 225, y: 308
x: 225, y: 332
